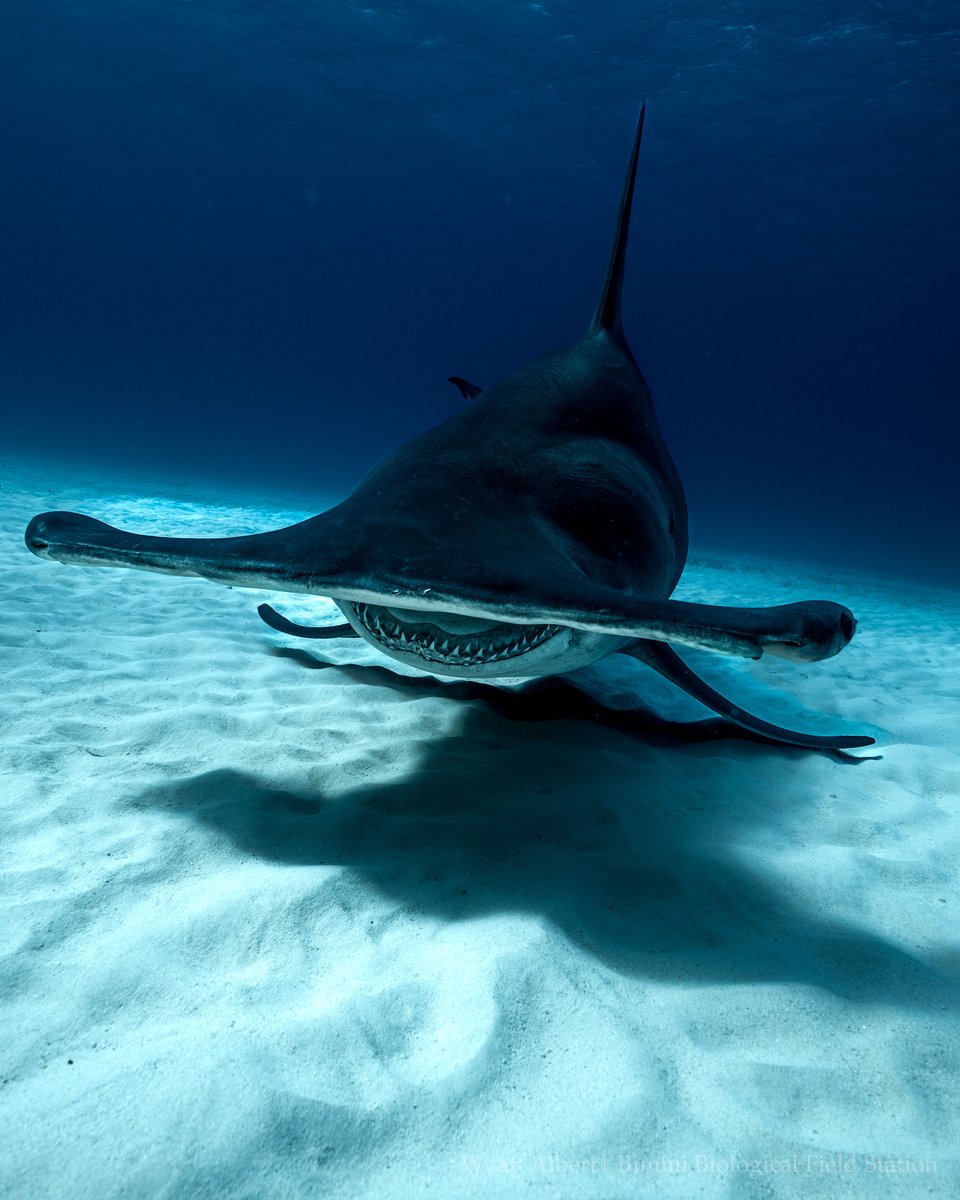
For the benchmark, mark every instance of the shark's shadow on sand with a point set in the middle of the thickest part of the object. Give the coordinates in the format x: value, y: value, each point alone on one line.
x: 646, y: 879
x: 555, y: 698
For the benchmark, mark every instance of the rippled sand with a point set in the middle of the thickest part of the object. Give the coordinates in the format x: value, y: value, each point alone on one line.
x: 281, y: 923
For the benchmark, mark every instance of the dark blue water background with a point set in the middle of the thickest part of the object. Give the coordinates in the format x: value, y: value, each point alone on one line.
x: 250, y: 241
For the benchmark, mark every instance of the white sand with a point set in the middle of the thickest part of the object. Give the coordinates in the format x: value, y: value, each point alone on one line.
x: 274, y: 931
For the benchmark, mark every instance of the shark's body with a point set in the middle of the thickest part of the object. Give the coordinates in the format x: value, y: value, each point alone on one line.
x: 541, y: 528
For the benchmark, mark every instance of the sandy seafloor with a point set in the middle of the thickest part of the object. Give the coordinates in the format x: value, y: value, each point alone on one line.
x: 279, y: 923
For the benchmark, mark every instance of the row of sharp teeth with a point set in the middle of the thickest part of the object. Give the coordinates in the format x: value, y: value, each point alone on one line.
x: 465, y: 653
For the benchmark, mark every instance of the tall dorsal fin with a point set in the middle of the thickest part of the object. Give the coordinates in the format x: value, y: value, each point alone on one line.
x: 607, y: 315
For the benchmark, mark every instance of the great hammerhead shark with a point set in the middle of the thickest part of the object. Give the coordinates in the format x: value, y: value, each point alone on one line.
x: 540, y: 528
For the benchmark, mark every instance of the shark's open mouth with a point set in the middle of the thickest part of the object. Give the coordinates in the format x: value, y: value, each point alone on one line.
x: 448, y: 637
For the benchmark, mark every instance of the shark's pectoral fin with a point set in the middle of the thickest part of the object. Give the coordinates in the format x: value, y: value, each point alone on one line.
x: 671, y: 666
x: 469, y: 391
x: 280, y: 623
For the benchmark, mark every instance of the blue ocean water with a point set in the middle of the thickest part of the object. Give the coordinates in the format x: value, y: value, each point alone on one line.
x: 249, y: 242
